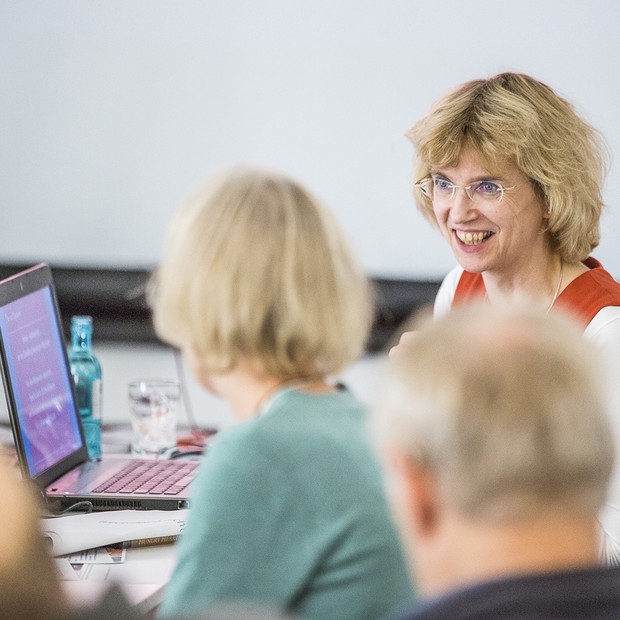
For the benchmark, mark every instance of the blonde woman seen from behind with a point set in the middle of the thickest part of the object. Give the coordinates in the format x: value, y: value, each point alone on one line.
x: 258, y: 289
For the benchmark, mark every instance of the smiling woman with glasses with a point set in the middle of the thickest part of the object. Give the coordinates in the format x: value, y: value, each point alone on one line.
x: 512, y: 177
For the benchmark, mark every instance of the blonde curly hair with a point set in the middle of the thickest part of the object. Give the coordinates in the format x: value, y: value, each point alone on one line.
x: 515, y: 118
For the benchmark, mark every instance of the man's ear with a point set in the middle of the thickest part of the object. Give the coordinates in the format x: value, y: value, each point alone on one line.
x: 419, y: 495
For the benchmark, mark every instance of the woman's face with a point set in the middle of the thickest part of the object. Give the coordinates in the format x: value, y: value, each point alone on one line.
x: 489, y: 235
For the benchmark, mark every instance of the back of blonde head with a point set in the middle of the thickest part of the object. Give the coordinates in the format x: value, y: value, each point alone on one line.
x: 255, y: 268
x: 506, y: 408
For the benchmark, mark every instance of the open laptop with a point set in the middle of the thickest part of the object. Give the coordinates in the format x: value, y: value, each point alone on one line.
x: 45, y: 420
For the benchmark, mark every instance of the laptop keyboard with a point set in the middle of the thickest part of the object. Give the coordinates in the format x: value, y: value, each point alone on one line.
x: 151, y: 477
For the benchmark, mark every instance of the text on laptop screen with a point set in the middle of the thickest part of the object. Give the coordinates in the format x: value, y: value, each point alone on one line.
x: 39, y: 380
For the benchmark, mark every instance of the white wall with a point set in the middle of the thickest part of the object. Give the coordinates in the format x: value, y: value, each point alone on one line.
x: 123, y: 362
x: 111, y: 111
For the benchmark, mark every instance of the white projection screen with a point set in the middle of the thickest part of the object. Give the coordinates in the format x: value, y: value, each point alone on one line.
x: 113, y: 111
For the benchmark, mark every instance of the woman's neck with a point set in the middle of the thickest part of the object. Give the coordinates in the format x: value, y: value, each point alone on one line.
x: 248, y: 392
x: 544, y: 284
x: 540, y: 281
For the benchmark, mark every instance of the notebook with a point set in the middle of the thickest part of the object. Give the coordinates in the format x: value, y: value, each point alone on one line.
x: 45, y: 420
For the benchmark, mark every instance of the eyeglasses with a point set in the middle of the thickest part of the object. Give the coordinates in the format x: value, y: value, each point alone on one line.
x: 440, y: 189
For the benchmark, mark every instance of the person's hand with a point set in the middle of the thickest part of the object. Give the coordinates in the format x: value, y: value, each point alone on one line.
x: 405, y: 339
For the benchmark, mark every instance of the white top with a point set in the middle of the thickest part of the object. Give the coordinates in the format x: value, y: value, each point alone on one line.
x: 604, y: 331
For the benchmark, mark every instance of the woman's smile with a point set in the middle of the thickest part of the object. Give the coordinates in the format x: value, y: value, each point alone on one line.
x: 490, y: 234
x: 472, y: 238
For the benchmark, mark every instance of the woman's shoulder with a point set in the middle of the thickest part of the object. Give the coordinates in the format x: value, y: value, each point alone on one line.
x: 303, y: 411
x: 326, y: 433
x: 605, y: 325
x: 445, y: 294
x: 238, y: 461
x: 588, y: 294
x: 233, y: 437
x: 293, y: 414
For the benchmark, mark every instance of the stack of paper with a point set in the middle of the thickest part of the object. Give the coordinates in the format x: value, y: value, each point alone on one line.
x: 72, y: 533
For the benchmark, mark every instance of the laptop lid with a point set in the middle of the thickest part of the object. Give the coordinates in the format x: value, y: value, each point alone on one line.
x: 41, y: 400
x: 45, y: 418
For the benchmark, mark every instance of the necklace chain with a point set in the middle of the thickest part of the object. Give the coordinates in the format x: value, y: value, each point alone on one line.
x: 557, y: 289
x: 559, y: 286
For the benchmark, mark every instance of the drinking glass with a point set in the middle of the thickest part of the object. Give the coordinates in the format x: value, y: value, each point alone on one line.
x: 153, y: 405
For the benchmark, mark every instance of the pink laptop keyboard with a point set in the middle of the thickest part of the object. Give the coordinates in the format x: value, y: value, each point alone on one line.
x: 150, y: 477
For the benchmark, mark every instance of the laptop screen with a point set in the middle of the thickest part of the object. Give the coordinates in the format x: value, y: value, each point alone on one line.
x: 37, y: 371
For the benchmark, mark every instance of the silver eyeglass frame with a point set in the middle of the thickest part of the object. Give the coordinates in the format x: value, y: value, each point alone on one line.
x: 468, y: 189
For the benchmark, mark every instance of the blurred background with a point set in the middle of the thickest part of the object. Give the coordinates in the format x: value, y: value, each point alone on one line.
x: 112, y: 112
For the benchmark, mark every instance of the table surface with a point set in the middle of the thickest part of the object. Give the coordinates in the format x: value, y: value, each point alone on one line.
x: 142, y: 578
x: 146, y: 570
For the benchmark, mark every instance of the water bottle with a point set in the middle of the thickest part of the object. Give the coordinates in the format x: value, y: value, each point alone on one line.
x: 86, y: 372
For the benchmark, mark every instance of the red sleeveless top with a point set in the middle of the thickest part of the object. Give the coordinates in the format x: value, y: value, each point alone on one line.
x: 584, y: 296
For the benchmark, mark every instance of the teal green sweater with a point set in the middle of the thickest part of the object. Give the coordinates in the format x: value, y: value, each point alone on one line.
x: 288, y: 511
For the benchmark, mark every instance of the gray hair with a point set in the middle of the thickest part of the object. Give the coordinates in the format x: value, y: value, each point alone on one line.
x: 506, y: 407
